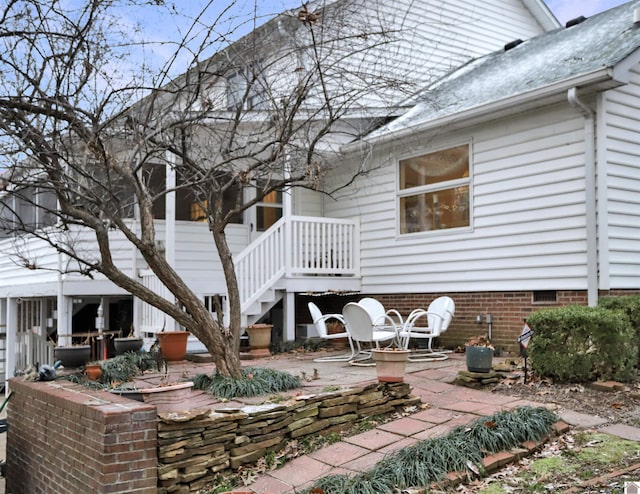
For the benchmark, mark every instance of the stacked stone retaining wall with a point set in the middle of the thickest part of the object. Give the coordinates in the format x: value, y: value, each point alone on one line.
x: 194, y: 447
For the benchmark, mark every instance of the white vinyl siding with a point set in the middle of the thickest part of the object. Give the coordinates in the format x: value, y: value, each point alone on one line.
x: 623, y: 184
x: 528, y: 215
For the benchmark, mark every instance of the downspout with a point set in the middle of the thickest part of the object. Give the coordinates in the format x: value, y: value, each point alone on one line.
x: 590, y: 194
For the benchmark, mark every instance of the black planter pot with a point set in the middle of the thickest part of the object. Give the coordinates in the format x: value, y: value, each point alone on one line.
x: 479, y: 358
x: 72, y: 356
x: 123, y: 345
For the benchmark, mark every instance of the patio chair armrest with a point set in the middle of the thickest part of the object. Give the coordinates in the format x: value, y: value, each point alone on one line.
x: 326, y: 317
x: 394, y: 313
x: 417, y: 314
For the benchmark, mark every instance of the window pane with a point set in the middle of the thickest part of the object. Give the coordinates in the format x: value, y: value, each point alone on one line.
x: 447, y: 208
x: 267, y: 216
x: 448, y: 164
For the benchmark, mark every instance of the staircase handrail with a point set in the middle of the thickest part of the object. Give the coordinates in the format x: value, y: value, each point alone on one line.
x: 297, y: 246
x: 261, y: 263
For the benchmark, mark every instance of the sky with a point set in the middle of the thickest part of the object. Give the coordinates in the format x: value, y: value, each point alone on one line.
x: 158, y: 28
x: 565, y: 10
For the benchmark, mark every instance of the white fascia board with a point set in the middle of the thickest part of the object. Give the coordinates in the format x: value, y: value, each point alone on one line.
x: 543, y: 14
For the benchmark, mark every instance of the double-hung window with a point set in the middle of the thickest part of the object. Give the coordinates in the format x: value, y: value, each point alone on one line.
x: 433, y: 191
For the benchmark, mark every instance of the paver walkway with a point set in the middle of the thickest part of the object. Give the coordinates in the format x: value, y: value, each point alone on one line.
x: 448, y: 406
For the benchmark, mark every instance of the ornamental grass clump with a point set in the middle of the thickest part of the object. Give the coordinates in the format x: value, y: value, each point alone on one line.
x: 256, y: 381
x: 123, y: 368
x: 429, y: 461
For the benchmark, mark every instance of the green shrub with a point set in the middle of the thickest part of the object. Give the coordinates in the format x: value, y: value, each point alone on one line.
x: 630, y: 304
x: 256, y: 381
x: 430, y: 460
x: 577, y: 344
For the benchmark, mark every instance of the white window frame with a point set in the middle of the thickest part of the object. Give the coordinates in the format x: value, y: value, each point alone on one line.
x: 430, y: 188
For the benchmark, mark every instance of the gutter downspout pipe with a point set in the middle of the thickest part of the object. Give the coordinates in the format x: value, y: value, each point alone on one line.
x: 590, y: 194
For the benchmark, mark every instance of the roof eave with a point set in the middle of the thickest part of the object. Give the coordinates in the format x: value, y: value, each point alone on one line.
x: 598, y: 80
x: 542, y: 14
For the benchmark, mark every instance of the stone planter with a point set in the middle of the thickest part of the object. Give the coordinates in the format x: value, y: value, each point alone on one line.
x: 173, y: 344
x: 123, y: 345
x: 479, y: 358
x: 72, y: 356
x: 391, y: 364
x: 169, y: 398
x: 259, y: 340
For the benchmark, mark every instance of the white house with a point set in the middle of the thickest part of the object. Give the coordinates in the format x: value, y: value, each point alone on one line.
x: 513, y: 183
x: 366, y: 241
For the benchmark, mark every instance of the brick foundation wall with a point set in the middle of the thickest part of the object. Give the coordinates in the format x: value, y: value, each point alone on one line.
x: 64, y: 438
x: 509, y: 310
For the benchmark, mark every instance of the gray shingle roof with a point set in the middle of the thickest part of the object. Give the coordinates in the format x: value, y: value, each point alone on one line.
x: 599, y: 42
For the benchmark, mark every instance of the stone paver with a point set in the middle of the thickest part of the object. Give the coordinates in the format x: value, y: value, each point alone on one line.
x: 405, y: 427
x: 581, y: 420
x: 373, y: 439
x: 622, y: 430
x: 364, y: 463
x: 301, y: 470
x: 339, y: 453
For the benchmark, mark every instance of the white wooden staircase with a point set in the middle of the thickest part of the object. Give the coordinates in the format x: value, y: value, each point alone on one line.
x: 297, y: 254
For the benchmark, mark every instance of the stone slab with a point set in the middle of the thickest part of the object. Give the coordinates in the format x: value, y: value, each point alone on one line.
x: 581, y: 419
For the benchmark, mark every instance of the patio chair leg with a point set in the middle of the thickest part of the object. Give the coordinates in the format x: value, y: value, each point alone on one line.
x: 347, y: 357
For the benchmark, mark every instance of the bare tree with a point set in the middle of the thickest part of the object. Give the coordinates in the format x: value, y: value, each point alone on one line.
x: 88, y: 150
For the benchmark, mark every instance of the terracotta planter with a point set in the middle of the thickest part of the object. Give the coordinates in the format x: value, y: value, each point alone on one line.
x: 72, y: 356
x: 93, y: 372
x: 479, y: 358
x: 173, y: 344
x: 259, y: 340
x: 170, y: 398
x: 390, y: 364
x: 124, y: 345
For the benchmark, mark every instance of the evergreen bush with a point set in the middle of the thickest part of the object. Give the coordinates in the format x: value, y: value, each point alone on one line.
x: 579, y: 344
x: 630, y: 304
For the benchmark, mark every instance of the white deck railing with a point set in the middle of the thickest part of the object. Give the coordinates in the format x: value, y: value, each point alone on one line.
x: 31, y: 349
x: 303, y: 245
x: 152, y: 319
x: 297, y: 247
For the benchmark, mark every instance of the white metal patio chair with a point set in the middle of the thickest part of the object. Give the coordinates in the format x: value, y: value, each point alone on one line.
x: 379, y: 315
x: 428, y: 324
x: 363, y: 332
x: 320, y: 321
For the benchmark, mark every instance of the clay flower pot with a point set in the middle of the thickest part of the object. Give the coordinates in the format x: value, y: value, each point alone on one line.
x: 391, y: 364
x: 173, y: 344
x: 168, y: 398
x: 259, y: 340
x: 93, y: 372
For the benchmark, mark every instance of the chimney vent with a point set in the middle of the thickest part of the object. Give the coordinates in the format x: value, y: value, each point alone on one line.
x: 512, y: 44
x: 636, y: 16
x: 576, y: 21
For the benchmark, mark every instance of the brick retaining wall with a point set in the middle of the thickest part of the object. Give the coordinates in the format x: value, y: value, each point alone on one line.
x: 66, y: 439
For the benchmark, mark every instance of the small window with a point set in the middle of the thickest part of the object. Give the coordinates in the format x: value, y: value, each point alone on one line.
x: 433, y: 191
x: 247, y: 89
x: 545, y: 297
x: 269, y: 210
